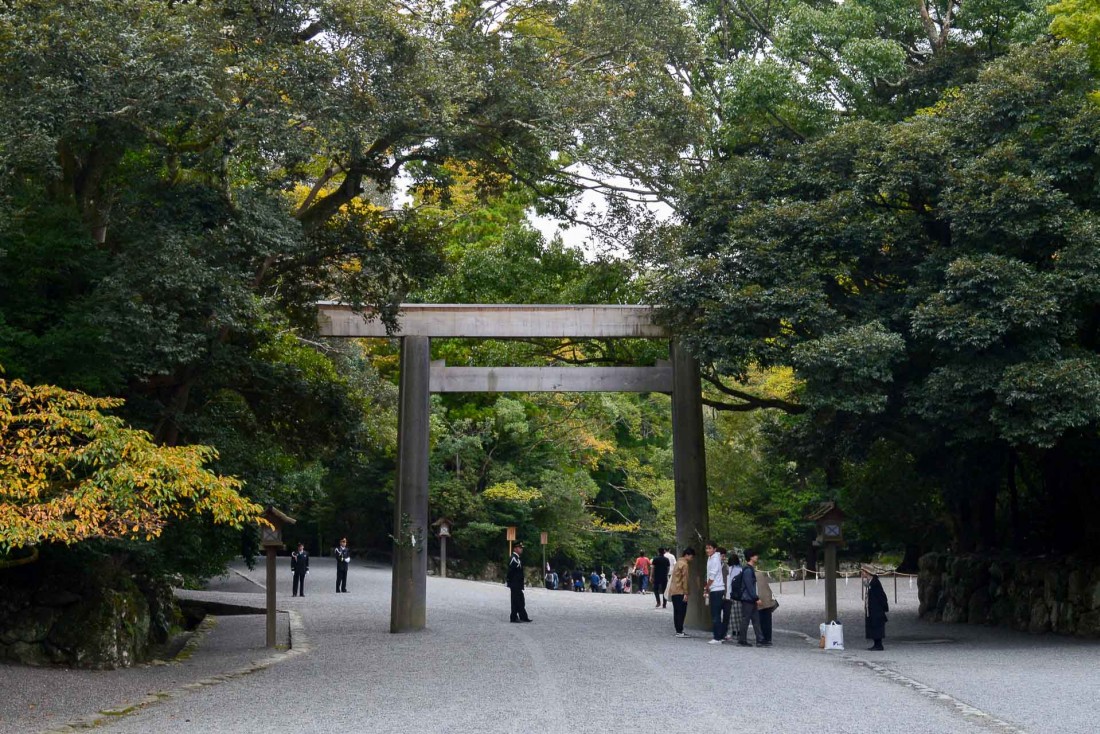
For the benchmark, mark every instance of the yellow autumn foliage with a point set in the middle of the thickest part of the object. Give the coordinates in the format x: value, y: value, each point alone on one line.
x: 512, y: 492
x: 604, y: 526
x: 68, y: 473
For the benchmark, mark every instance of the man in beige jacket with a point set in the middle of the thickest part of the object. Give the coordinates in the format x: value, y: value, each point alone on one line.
x: 767, y: 605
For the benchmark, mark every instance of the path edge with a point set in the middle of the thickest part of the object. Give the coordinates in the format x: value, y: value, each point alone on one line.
x: 966, y: 710
x: 299, y: 645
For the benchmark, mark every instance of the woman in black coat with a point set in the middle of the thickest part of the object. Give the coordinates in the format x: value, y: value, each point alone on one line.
x: 875, y: 608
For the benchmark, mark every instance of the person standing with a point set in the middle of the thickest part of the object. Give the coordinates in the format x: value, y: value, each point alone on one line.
x: 750, y: 601
x: 727, y: 604
x: 768, y: 604
x: 734, y: 595
x: 660, y: 568
x: 715, y: 590
x: 299, y: 566
x: 641, y: 567
x: 515, y: 584
x: 343, y: 560
x: 876, y: 605
x: 678, y: 590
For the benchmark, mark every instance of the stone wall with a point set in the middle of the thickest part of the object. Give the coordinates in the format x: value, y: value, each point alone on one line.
x: 1034, y: 594
x: 88, y: 617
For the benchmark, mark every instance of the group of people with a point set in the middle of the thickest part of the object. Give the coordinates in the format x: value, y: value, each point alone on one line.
x: 642, y: 576
x: 577, y: 580
x: 299, y: 567
x: 738, y: 597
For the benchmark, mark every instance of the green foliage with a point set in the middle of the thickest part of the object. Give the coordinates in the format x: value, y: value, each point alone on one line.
x: 1078, y: 20
x: 182, y: 181
x: 931, y: 279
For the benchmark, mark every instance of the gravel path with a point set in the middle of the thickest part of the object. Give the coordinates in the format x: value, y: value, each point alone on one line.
x: 608, y: 663
x: 41, y: 699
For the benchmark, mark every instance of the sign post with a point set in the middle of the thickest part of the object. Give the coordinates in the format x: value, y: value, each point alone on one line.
x: 511, y: 538
x: 543, y: 537
x: 271, y: 538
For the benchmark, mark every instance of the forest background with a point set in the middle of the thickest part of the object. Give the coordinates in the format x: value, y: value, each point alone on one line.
x: 884, y: 249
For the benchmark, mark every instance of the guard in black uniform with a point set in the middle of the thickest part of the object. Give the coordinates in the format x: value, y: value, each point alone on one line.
x: 299, y: 566
x: 515, y: 583
x: 343, y: 560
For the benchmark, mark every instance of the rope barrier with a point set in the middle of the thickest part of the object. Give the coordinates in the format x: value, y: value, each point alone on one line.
x: 889, y: 572
x: 880, y: 571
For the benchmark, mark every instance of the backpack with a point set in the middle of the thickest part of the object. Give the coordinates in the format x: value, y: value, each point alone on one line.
x: 737, y: 586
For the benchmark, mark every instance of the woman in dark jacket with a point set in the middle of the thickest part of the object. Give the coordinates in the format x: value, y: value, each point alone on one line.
x: 875, y: 608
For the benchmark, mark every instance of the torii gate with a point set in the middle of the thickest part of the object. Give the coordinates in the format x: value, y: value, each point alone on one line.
x: 419, y: 323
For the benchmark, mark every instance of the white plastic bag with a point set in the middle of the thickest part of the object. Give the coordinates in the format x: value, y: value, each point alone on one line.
x: 834, y: 636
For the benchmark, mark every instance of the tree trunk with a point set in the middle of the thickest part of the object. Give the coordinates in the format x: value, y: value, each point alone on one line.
x: 1014, y: 503
x: 909, y: 562
x: 168, y: 429
x: 986, y: 513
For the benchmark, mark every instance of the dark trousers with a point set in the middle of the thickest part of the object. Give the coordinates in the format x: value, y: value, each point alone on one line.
x: 716, y: 614
x: 341, y: 576
x: 727, y: 605
x: 749, y: 613
x: 519, y: 605
x: 766, y: 624
x: 659, y: 589
x: 299, y: 583
x: 679, y: 611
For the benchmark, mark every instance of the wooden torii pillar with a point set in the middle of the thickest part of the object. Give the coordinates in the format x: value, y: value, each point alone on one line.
x: 419, y: 323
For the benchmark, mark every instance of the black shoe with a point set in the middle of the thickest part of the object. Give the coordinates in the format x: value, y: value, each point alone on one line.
x: 743, y: 644
x: 514, y: 621
x: 526, y: 620
x: 763, y: 644
x: 876, y: 647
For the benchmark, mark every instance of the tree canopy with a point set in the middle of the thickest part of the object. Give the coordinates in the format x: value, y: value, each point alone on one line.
x: 879, y: 237
x: 905, y: 214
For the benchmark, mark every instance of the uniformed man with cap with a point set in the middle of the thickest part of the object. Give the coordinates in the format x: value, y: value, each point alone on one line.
x: 343, y: 560
x: 299, y: 566
x: 515, y: 583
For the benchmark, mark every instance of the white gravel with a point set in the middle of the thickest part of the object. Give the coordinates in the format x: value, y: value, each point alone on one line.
x: 609, y: 663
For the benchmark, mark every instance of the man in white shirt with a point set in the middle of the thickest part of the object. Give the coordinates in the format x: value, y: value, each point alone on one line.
x: 716, y: 590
